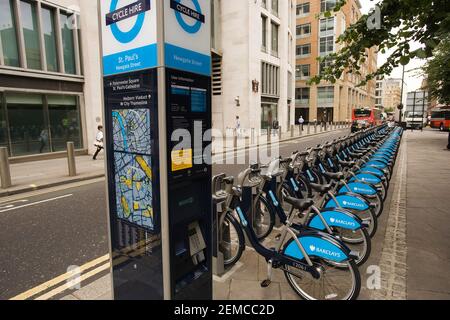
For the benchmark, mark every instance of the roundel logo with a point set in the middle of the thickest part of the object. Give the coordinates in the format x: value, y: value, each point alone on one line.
x: 118, y: 14
x: 182, y: 11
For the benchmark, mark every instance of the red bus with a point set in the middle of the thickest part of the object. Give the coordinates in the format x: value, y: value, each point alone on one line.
x: 440, y: 119
x: 366, y: 117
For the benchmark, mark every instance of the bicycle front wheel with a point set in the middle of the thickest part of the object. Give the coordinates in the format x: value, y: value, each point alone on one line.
x: 232, y: 242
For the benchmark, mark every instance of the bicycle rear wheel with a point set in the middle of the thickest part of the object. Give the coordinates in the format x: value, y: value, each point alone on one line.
x: 335, y: 283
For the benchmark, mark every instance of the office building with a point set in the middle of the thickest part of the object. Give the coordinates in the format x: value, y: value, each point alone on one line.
x: 50, y: 81
x: 316, y: 36
x: 253, y: 63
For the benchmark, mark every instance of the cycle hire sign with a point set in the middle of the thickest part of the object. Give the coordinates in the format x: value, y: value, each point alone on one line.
x: 129, y: 35
x: 188, y: 35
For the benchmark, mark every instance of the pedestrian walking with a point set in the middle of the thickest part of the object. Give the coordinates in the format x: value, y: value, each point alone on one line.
x: 301, y: 121
x: 275, y: 126
x: 98, y: 141
x: 238, y: 126
x: 448, y: 146
x: 43, y: 139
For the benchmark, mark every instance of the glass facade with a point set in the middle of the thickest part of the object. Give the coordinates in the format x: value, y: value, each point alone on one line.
x: 30, y: 28
x: 30, y: 34
x: 48, y: 29
x: 68, y: 43
x: 268, y: 115
x: 64, y: 121
x: 8, y: 34
x: 3, y: 124
x: 27, y: 129
x: 33, y: 124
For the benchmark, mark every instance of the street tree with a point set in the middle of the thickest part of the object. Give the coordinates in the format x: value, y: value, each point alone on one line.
x: 391, y: 27
x: 438, y: 72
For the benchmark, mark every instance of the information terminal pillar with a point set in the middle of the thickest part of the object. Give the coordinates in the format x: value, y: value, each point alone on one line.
x: 157, y: 94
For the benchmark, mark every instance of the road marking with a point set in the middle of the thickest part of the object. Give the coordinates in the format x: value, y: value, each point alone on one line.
x: 74, y: 282
x: 45, y: 286
x: 37, y: 202
x: 35, y: 193
x: 132, y: 251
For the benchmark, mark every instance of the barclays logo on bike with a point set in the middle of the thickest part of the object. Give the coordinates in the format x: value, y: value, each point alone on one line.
x: 326, y: 252
x: 353, y: 204
x: 342, y: 222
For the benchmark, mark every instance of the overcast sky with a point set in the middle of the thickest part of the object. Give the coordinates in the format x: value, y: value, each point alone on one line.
x: 413, y: 82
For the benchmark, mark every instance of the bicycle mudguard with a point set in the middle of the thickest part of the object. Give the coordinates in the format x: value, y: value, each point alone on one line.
x: 335, y: 218
x: 317, y: 245
x: 366, y: 177
x: 376, y: 164
x: 372, y: 170
x: 349, y: 201
x: 359, y: 188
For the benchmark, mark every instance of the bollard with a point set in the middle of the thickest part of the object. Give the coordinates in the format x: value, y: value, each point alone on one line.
x: 309, y: 128
x: 235, y: 139
x: 269, y: 134
x: 5, y: 172
x: 315, y: 128
x: 292, y: 131
x: 71, y: 159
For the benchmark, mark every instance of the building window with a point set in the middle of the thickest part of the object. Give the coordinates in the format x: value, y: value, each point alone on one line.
x: 326, y: 26
x: 326, y: 45
x: 303, y: 71
x: 302, y: 96
x: 325, y: 95
x: 48, y: 29
x: 327, y: 5
x: 275, y: 7
x: 304, y: 30
x: 303, y: 9
x: 8, y: 34
x: 33, y: 124
x: 303, y: 50
x: 323, y: 65
x: 27, y: 128
x: 30, y: 34
x: 275, y: 30
x: 270, y: 80
x: 68, y: 43
x: 264, y: 33
x: 64, y: 121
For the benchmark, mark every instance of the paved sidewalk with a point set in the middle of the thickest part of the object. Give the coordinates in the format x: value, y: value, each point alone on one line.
x: 30, y: 176
x: 428, y: 215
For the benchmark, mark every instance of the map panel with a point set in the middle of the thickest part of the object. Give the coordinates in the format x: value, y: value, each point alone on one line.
x: 134, y: 194
x: 131, y: 131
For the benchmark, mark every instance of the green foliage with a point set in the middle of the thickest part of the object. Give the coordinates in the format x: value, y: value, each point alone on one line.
x: 438, y: 71
x: 402, y: 22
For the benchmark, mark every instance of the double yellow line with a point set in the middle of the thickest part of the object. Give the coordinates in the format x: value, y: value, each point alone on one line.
x: 72, y: 279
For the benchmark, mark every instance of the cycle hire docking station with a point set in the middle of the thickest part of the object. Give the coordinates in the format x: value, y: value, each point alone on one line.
x: 157, y: 92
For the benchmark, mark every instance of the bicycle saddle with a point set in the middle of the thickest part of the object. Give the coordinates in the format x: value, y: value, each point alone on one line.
x: 300, y: 204
x: 321, y: 188
x: 347, y: 164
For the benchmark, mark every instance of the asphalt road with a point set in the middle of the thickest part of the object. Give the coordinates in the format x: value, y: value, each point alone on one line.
x: 43, y: 235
